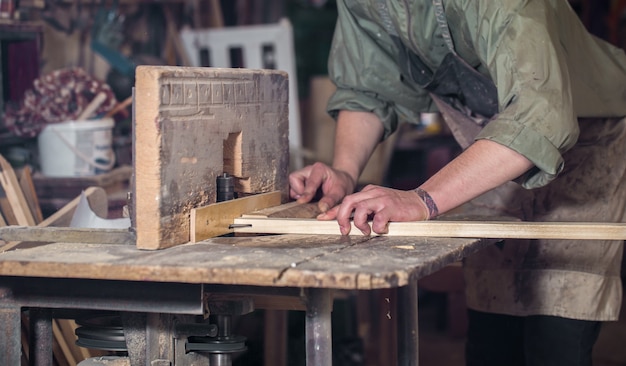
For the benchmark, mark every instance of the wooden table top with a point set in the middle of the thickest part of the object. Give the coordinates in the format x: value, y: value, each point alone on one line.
x: 317, y: 261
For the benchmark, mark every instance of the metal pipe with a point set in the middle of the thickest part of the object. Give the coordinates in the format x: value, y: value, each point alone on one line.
x: 318, y: 327
x: 10, y: 341
x: 220, y: 359
x: 40, y: 351
x: 408, y: 340
x: 224, y: 324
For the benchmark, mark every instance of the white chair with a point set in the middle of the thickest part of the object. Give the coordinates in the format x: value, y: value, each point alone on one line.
x: 267, y: 46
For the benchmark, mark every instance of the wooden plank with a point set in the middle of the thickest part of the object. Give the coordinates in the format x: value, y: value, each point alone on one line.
x: 28, y: 188
x: 14, y: 194
x: 5, y: 207
x: 68, y: 331
x: 66, y: 235
x: 293, y: 210
x: 447, y: 229
x: 24, y: 338
x: 214, y: 220
x: 320, y: 261
x: 63, y: 344
x: 188, y: 121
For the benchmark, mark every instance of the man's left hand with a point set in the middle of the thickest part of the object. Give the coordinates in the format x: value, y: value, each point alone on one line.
x: 382, y: 205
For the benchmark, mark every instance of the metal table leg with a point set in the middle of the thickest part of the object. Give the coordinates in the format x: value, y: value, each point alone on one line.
x: 10, y: 340
x: 408, y: 341
x: 318, y: 328
x: 40, y: 338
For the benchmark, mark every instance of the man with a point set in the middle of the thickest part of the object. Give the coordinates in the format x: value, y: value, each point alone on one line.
x: 537, y: 103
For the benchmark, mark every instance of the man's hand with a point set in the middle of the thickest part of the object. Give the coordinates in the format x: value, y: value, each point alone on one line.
x: 384, y: 205
x: 334, y: 184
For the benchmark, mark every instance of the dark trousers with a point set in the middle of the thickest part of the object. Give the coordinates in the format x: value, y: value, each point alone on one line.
x: 504, y: 340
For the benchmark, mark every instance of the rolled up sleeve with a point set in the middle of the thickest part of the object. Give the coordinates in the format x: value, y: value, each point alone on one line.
x: 363, y: 67
x: 524, y: 55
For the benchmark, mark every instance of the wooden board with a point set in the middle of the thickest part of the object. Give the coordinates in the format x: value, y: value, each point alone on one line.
x: 215, y: 220
x: 192, y: 124
x: 28, y: 188
x: 66, y: 235
x: 446, y: 229
x: 330, y: 261
x: 14, y: 195
x: 292, y: 210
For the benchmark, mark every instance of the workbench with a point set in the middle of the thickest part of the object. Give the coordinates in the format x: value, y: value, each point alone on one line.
x: 176, y: 289
x: 46, y: 277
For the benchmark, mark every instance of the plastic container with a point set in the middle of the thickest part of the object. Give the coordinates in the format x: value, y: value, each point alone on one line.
x: 76, y: 148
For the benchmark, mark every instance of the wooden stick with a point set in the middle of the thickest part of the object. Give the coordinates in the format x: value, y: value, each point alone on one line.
x: 446, y: 229
x: 14, y: 194
x: 6, y: 209
x: 120, y: 106
x: 92, y: 106
x: 173, y: 37
x: 215, y: 219
x: 217, y: 19
x: 30, y: 194
x: 65, y: 347
x: 66, y: 235
x: 68, y: 330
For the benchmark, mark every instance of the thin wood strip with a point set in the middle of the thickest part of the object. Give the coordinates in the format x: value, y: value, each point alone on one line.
x: 24, y: 338
x: 30, y: 194
x: 215, y: 13
x: 447, y: 229
x: 92, y: 106
x: 66, y: 235
x: 6, y: 209
x: 214, y: 220
x: 65, y: 348
x: 288, y: 210
x: 68, y: 330
x: 119, y: 107
x: 14, y: 194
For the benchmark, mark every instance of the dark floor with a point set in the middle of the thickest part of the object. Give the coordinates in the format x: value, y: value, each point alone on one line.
x: 437, y: 348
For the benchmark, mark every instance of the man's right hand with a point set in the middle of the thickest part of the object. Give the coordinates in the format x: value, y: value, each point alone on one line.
x: 334, y: 184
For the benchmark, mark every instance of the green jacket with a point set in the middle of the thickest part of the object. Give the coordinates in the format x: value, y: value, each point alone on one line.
x: 548, y: 70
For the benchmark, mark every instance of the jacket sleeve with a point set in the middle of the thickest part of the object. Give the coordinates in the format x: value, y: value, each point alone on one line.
x: 519, y: 43
x: 363, y: 67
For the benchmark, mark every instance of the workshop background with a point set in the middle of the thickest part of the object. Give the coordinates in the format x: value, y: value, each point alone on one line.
x: 74, y: 60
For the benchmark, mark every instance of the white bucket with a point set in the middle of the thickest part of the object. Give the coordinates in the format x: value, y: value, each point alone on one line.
x: 76, y: 148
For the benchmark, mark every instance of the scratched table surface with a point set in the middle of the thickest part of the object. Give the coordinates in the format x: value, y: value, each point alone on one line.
x: 315, y: 261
